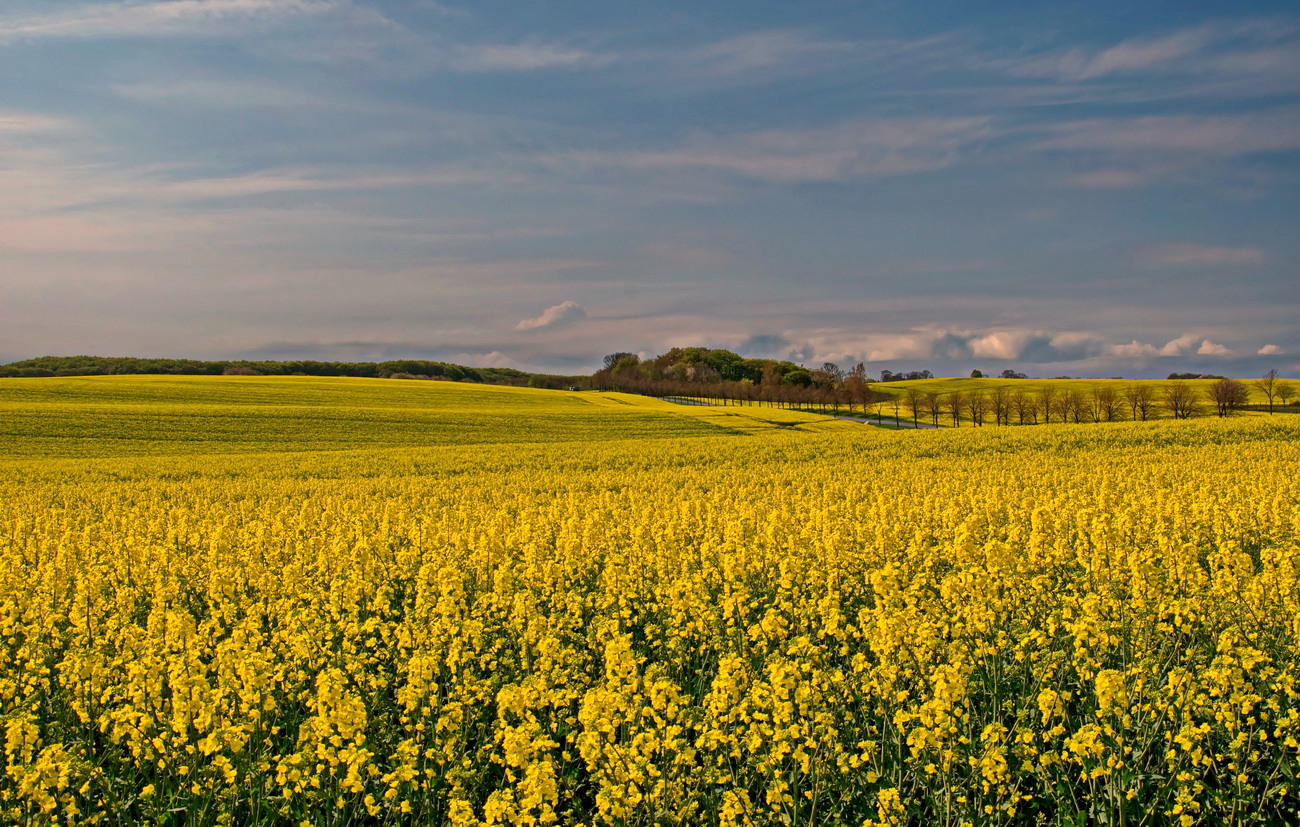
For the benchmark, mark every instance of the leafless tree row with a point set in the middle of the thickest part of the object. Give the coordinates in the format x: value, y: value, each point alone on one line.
x: 1045, y: 405
x: 1049, y: 403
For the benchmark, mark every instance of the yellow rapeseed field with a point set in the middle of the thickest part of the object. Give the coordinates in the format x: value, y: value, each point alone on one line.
x: 297, y: 601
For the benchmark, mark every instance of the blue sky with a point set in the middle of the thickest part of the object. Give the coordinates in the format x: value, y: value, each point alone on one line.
x: 915, y: 185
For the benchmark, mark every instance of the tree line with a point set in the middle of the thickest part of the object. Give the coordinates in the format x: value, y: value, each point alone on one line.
x: 1136, y: 401
x: 396, y: 368
x: 721, y: 377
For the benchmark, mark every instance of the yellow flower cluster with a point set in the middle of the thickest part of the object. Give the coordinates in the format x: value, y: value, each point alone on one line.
x: 789, y: 626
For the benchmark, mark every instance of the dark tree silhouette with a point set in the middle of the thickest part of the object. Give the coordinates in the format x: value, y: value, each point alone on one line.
x: 1228, y: 395
x: 1181, y: 399
x: 1267, y: 385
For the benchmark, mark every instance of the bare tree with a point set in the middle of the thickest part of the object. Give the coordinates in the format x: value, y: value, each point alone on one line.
x: 1108, y: 402
x: 1138, y: 398
x: 1285, y: 392
x: 1228, y: 395
x: 1047, y: 402
x: 1146, y: 404
x: 1063, y: 404
x: 977, y: 406
x: 1077, y: 406
x: 915, y: 402
x: 953, y: 403
x: 933, y: 406
x: 1021, y: 403
x: 878, y: 404
x: 1268, y: 385
x: 895, y: 404
x: 1182, y: 400
x: 1001, y: 402
x: 1093, y: 405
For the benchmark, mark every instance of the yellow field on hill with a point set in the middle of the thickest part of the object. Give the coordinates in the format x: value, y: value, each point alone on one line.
x: 236, y: 600
x: 132, y: 415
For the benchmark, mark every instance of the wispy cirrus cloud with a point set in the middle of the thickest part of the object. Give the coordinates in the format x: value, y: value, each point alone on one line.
x: 1149, y: 149
x: 756, y: 57
x: 849, y: 150
x: 309, y: 180
x: 1112, y: 178
x: 1206, y: 135
x: 745, y: 59
x: 1230, y: 48
x: 126, y: 19
x: 233, y: 93
x: 523, y: 57
x: 14, y: 123
x: 1127, y: 56
x: 762, y: 51
x: 1191, y: 254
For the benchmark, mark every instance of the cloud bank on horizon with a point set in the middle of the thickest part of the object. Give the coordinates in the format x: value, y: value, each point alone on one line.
x: 931, y: 186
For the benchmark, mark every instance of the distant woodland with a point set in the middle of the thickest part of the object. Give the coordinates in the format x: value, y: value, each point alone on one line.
x: 394, y: 369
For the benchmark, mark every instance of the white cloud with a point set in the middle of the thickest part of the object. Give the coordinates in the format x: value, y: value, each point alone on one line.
x: 560, y: 314
x: 493, y: 359
x: 1270, y: 350
x: 1178, y: 347
x: 1133, y: 349
x: 1182, y: 346
x: 1005, y: 345
x: 1209, y: 348
x: 999, y: 345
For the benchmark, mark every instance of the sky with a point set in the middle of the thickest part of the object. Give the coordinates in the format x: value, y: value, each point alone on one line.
x: 936, y: 185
